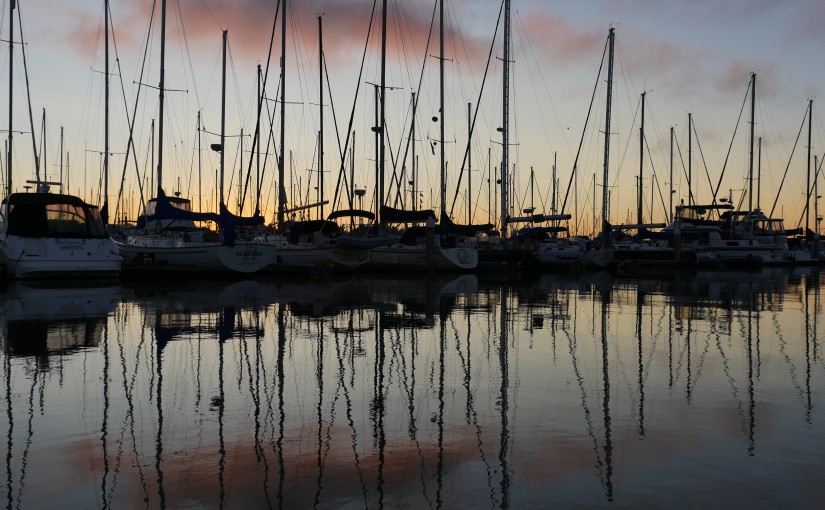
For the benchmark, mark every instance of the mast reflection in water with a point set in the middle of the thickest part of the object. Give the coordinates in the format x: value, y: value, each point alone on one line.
x: 452, y: 393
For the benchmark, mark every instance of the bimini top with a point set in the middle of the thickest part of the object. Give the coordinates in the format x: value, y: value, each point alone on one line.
x: 45, y: 198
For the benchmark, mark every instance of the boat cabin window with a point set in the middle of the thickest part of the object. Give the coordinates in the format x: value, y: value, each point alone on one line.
x: 768, y: 227
x: 685, y: 213
x: 54, y: 220
x: 177, y: 203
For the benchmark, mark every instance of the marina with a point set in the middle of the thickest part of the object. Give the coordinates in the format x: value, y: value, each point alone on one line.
x: 46, y: 232
x: 411, y: 254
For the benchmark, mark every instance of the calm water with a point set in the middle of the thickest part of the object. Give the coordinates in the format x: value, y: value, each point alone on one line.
x: 591, y: 391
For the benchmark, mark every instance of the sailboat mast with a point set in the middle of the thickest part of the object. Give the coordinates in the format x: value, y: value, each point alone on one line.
x: 258, y: 145
x: 750, y: 159
x: 105, y: 208
x: 200, y: 156
x: 378, y: 173
x: 670, y: 188
x: 412, y: 134
x: 816, y: 202
x: 61, y: 159
x: 381, y: 127
x: 441, y: 108
x: 321, y: 108
x: 690, y: 157
x: 223, y: 119
x: 469, y: 164
x: 281, y: 189
x: 640, y: 211
x: 759, y: 175
x: 505, y: 128
x: 553, y: 202
x: 161, y: 93
x: 808, y: 185
x: 11, y: 88
x: 605, y: 213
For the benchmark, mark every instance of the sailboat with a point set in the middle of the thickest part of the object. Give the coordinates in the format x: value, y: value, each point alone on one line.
x: 45, y: 234
x: 547, y: 238
x: 550, y: 245
x: 737, y: 238
x: 167, y: 238
x: 751, y: 236
x: 307, y: 247
x: 555, y: 250
x: 419, y: 247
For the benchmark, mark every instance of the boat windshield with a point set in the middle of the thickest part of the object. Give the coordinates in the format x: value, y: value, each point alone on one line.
x: 177, y: 203
x: 55, y: 220
x: 690, y: 214
x: 769, y: 227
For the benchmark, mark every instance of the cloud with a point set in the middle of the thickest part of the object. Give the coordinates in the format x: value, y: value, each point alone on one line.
x: 559, y: 41
x: 249, y: 24
x: 734, y: 77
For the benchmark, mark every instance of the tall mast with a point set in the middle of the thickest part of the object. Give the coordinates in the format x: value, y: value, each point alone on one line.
x: 380, y: 125
x: 200, y: 184
x: 376, y: 129
x: 750, y: 158
x: 808, y: 185
x: 640, y: 211
x: 505, y: 128
x: 553, y: 202
x: 160, y: 94
x: 690, y: 157
x: 152, y: 155
x: 321, y: 108
x: 105, y: 208
x: 816, y: 204
x: 670, y: 181
x: 258, y: 146
x: 412, y: 134
x: 281, y: 189
x: 352, y: 174
x: 240, y: 178
x: 611, y: 38
x: 469, y: 163
x: 441, y: 108
x: 11, y: 88
x: 759, y: 175
x: 223, y: 121
x: 61, y: 159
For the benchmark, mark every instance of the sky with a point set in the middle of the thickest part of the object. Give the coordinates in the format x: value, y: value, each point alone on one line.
x: 689, y: 57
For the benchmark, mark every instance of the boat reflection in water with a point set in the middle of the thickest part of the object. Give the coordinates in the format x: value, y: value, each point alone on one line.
x: 589, y: 391
x: 42, y: 322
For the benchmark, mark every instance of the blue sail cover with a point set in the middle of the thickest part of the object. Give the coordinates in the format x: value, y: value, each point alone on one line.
x: 166, y: 210
x: 467, y: 230
x: 393, y: 215
x: 687, y: 234
x: 227, y: 219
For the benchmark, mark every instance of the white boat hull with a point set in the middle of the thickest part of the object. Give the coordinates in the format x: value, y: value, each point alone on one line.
x: 401, y: 256
x: 160, y: 253
x: 44, y: 257
x: 313, y: 258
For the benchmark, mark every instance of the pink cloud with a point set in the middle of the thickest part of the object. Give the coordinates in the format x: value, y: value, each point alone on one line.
x: 249, y: 23
x: 558, y: 41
